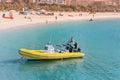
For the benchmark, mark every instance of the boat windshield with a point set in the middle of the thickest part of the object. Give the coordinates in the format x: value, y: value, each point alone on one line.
x: 49, y: 48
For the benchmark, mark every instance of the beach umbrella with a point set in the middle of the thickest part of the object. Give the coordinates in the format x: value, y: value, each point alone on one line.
x: 12, y: 11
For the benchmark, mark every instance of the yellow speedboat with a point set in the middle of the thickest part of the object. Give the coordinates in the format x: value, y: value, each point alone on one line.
x: 42, y: 54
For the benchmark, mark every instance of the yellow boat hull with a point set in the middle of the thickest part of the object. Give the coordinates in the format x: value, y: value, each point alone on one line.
x: 40, y: 54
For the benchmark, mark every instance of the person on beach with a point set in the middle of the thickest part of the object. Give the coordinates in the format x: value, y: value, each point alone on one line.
x: 30, y: 18
x: 3, y: 14
x: 93, y: 15
x: 56, y: 18
x: 46, y: 21
x: 80, y: 14
x: 11, y: 14
x: 91, y: 19
x: 27, y: 16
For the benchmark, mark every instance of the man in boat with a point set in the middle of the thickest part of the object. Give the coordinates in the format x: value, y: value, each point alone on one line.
x: 91, y: 19
x: 69, y: 47
x: 76, y: 49
x: 72, y: 46
x: 75, y: 46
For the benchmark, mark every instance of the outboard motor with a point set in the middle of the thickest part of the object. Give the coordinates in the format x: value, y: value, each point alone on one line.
x: 79, y: 50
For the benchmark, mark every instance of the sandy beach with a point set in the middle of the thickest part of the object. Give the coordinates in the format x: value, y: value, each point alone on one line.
x: 20, y: 20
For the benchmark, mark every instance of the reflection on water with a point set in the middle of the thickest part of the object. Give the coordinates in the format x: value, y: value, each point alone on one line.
x: 55, y: 69
x: 50, y: 64
x: 44, y: 69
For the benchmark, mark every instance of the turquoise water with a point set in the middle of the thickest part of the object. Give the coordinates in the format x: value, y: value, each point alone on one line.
x: 99, y: 40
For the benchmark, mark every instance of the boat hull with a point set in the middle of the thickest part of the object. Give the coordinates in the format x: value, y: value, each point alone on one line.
x: 40, y: 54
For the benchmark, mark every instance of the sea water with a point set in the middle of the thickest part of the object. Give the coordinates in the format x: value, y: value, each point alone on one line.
x: 99, y: 40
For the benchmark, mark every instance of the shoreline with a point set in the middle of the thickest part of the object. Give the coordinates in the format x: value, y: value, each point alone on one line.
x: 19, y: 21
